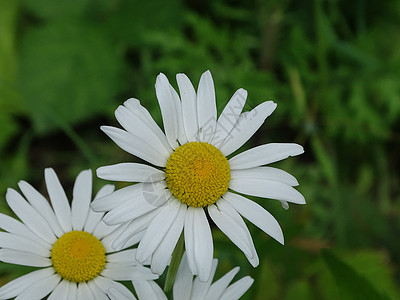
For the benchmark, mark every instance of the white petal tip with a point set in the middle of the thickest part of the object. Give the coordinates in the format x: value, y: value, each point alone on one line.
x: 300, y: 150
x: 93, y: 206
x: 302, y: 200
x: 161, y: 76
x: 280, y: 240
x: 22, y: 182
x: 273, y: 104
x: 48, y: 171
x: 9, y: 192
x: 242, y: 91
x: 99, y: 172
x: 117, y: 246
x: 180, y: 75
x: 131, y: 101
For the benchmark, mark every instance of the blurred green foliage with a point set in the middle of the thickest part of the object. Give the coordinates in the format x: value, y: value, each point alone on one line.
x: 333, y: 67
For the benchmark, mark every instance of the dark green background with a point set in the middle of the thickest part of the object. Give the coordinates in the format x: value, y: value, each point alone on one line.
x: 333, y: 67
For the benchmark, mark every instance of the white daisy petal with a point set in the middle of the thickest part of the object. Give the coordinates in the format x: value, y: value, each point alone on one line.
x: 60, y: 292
x: 133, y: 228
x: 24, y: 258
x: 107, y: 234
x: 157, y: 230
x: 265, y: 173
x: 82, y: 195
x: 17, y: 286
x: 189, y: 239
x: 103, y: 283
x: 155, y: 194
x: 234, y: 228
x: 236, y: 290
x: 15, y: 227
x: 58, y: 199
x: 182, y: 288
x: 228, y: 118
x: 136, y: 207
x: 181, y: 130
x: 135, y: 146
x: 29, y: 216
x: 148, y: 290
x: 94, y: 218
x: 231, y: 229
x: 187, y: 288
x: 122, y: 256
x: 72, y: 290
x: 206, y: 107
x: 134, y: 125
x: 11, y: 241
x: 162, y: 254
x: 122, y: 272
x: 189, y: 107
x: 119, y: 292
x: 136, y: 108
x: 40, y: 289
x: 228, y: 209
x: 103, y: 230
x: 114, y: 290
x: 105, y: 190
x: 267, y: 189
x: 169, y: 109
x: 203, y: 244
x: 121, y: 214
x: 264, y: 154
x: 113, y: 200
x: 84, y: 292
x: 217, y: 288
x: 97, y: 293
x: 135, y: 239
x: 130, y: 172
x: 256, y: 214
x: 246, y: 126
x: 285, y: 204
x: 42, y: 206
x: 200, y: 288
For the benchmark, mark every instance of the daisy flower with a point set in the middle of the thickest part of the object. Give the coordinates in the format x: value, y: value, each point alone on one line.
x: 185, y: 287
x: 190, y: 174
x: 188, y: 288
x: 70, y: 244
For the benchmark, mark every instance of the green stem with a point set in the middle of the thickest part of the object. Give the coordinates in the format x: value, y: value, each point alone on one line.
x: 74, y: 136
x: 173, y: 267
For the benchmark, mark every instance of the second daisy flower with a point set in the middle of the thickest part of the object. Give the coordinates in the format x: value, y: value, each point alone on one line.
x: 191, y: 174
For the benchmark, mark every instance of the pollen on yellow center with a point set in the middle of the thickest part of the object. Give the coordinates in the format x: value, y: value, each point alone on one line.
x: 197, y: 174
x: 78, y: 256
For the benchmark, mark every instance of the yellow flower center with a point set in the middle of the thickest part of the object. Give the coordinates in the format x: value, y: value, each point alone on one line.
x: 197, y: 174
x: 78, y: 256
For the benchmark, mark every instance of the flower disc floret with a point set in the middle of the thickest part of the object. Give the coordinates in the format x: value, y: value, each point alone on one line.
x: 197, y: 174
x: 78, y: 256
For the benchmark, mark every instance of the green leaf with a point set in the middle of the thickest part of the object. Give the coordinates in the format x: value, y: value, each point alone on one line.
x: 133, y: 21
x: 8, y: 61
x: 267, y: 273
x: 300, y: 289
x: 375, y: 267
x: 174, y: 265
x: 56, y: 9
x: 8, y: 128
x: 351, y: 283
x: 69, y: 71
